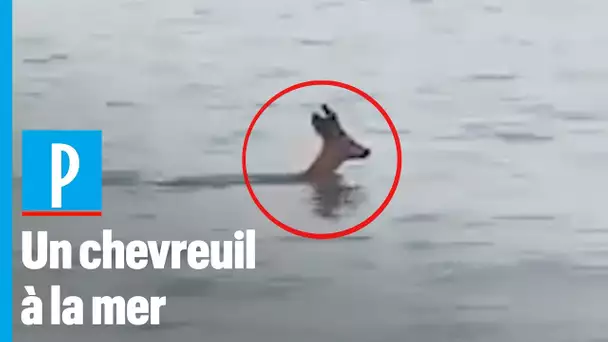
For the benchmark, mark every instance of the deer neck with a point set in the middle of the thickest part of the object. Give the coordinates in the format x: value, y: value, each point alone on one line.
x: 324, y: 165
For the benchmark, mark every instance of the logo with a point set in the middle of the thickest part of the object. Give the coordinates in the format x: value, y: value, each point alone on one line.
x: 62, y: 173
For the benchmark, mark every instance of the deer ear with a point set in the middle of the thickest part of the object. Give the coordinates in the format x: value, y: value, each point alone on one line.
x: 329, y: 112
x: 315, y: 121
x: 315, y: 118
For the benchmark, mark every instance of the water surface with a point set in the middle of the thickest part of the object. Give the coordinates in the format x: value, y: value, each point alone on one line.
x: 498, y: 231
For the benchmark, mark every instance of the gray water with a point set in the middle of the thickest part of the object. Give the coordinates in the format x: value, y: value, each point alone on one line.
x: 498, y: 230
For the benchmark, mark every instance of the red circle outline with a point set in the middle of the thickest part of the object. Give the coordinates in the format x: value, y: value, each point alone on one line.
x: 368, y: 220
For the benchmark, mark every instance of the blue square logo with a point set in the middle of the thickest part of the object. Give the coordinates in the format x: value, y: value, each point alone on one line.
x: 62, y: 173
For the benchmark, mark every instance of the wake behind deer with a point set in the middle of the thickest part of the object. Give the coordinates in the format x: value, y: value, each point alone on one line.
x: 338, y: 147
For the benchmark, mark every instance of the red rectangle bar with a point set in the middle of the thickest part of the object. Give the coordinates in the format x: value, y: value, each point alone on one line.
x: 61, y: 213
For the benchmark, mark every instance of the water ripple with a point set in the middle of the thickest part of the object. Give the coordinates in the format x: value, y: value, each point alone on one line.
x: 530, y: 217
x: 522, y: 137
x: 120, y: 104
x: 45, y: 60
x: 492, y: 77
x: 315, y: 42
x: 419, y: 218
x: 277, y: 73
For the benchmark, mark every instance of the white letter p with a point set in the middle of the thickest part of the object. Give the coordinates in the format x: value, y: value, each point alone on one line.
x: 57, y: 179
